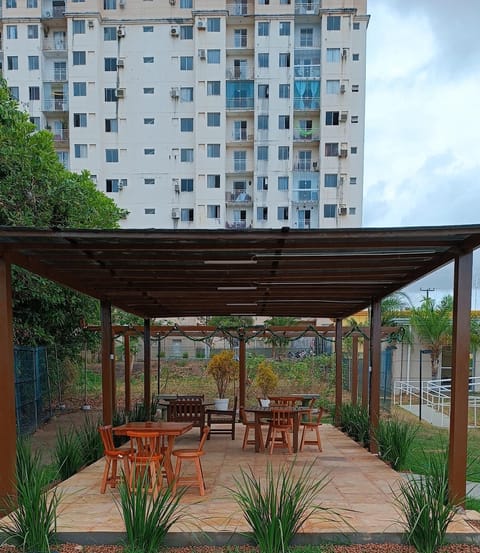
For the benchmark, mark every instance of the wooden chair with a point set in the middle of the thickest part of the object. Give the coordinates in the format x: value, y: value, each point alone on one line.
x: 190, y: 455
x: 228, y: 417
x: 187, y: 409
x: 249, y: 425
x: 312, y: 424
x: 112, y: 456
x: 279, y: 429
x: 146, y: 459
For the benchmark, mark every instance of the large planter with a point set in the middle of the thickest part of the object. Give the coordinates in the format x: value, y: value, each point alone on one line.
x: 265, y: 402
x: 221, y: 404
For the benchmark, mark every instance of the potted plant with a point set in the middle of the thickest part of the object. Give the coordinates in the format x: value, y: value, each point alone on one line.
x: 266, y: 379
x: 223, y: 367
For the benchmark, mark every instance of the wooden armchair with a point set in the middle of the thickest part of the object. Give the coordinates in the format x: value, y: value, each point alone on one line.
x: 226, y: 420
x: 187, y: 409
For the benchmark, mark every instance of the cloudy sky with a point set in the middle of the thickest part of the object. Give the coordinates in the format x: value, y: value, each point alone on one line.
x: 422, y: 148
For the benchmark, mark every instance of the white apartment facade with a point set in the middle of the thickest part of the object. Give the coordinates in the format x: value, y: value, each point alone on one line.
x: 201, y: 113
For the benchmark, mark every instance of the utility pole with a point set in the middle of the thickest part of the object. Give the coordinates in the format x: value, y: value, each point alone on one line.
x: 427, y: 291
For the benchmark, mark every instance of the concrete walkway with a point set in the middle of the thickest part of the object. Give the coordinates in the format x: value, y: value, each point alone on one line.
x: 428, y: 415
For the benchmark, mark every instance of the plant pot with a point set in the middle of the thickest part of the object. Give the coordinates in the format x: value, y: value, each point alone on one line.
x: 221, y: 404
x: 264, y: 402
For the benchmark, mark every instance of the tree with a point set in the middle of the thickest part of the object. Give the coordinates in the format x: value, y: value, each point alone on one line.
x: 229, y: 322
x: 279, y: 341
x: 433, y: 325
x: 393, y: 307
x: 37, y: 191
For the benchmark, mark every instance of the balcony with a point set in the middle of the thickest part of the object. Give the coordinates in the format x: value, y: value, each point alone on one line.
x: 307, y: 71
x: 307, y: 7
x: 54, y: 46
x: 303, y: 196
x: 237, y: 225
x: 55, y: 104
x: 306, y: 135
x: 53, y: 12
x: 60, y: 135
x: 238, y: 198
x: 239, y: 74
x: 240, y: 104
x: 306, y: 166
x: 56, y: 76
x: 306, y: 103
x: 241, y: 136
x: 240, y: 8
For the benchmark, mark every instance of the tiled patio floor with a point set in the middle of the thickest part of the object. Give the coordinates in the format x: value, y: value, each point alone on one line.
x: 360, y: 488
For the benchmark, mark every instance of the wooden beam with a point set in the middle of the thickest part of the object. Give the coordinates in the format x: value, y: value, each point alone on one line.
x: 354, y: 392
x: 242, y: 376
x: 126, y: 347
x: 457, y: 447
x: 338, y: 369
x: 106, y: 325
x: 8, y: 433
x: 365, y: 372
x: 375, y: 348
x: 147, y: 357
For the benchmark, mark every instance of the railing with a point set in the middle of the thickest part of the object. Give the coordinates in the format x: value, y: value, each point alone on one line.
x: 237, y: 74
x: 303, y: 224
x: 239, y: 8
x: 238, y: 197
x: 56, y: 75
x: 307, y: 166
x: 55, y: 45
x: 240, y: 103
x: 60, y: 135
x: 306, y: 134
x: 237, y: 225
x: 307, y: 71
x: 307, y: 7
x: 53, y: 12
x: 242, y: 136
x: 306, y: 103
x: 305, y: 196
x: 55, y: 105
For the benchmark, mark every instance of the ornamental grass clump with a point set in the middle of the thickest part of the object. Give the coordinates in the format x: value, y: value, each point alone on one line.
x: 67, y: 453
x: 276, y: 506
x: 395, y: 438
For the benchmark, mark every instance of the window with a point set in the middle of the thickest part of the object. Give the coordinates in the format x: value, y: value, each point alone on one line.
x: 109, y: 33
x: 149, y: 211
x: 332, y: 117
x: 329, y: 210
x: 284, y: 60
x: 110, y: 64
x: 284, y: 91
x: 356, y: 57
x: 356, y: 26
x: 186, y: 124
x: 78, y: 26
x: 333, y: 87
x: 282, y: 183
x: 80, y: 150
x: 79, y: 58
x: 353, y: 180
x: 213, y: 181
x: 262, y: 122
x: 262, y: 183
x: 283, y: 152
x: 282, y: 213
x: 240, y: 38
x: 34, y: 93
x: 284, y: 121
x: 331, y: 149
x: 330, y: 180
x: 284, y: 28
x: 240, y: 160
x: 263, y: 91
x: 263, y: 28
x: 12, y: 63
x: 333, y: 22
x: 148, y: 181
x: 79, y: 89
x: 284, y: 2
x: 354, y: 118
x: 186, y: 155
x: 12, y: 32
x: 213, y: 212
x: 213, y: 56
x: 14, y: 92
x: 110, y: 95
x: 33, y: 63
x: 263, y: 60
x: 186, y: 63
x: 333, y: 55
x: 354, y: 150
x: 148, y: 28
x: 149, y: 120
x: 355, y: 88
x: 213, y: 88
x: 11, y: 3
x: 109, y: 4
x: 213, y: 119
x: 148, y: 59
x: 79, y: 119
x: 186, y: 214
x: 262, y: 153
x: 186, y: 94
x: 186, y: 32
x: 149, y: 151
x: 186, y: 4
x: 263, y: 2
x: 111, y: 185
x: 306, y: 37
x: 148, y: 90
x: 213, y: 150
x: 36, y: 122
x: 186, y: 185
x: 262, y: 213
x: 32, y: 3
x: 352, y: 210
x: 213, y: 24
x: 111, y: 155
x: 111, y: 125
x: 32, y: 31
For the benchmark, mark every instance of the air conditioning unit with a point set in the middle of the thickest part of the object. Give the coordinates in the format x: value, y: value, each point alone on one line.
x: 121, y: 63
x: 121, y: 3
x: 343, y: 89
x: 343, y: 179
x: 174, y: 31
x: 122, y: 184
x: 172, y: 2
x: 91, y: 25
x: 174, y: 92
x: 343, y: 149
x: 342, y: 209
x: 202, y: 54
x: 121, y: 32
x: 315, y: 165
x: 343, y: 116
x: 120, y: 93
x: 201, y: 24
x: 175, y: 213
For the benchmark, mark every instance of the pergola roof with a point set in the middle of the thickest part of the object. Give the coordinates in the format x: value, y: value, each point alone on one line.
x: 177, y: 273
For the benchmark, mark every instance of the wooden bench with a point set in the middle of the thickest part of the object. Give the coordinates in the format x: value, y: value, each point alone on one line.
x: 187, y: 409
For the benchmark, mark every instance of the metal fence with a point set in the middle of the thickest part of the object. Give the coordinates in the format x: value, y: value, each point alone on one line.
x: 32, y: 390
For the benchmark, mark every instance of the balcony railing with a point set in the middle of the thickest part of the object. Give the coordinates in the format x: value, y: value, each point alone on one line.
x: 60, y: 135
x: 306, y: 103
x: 54, y: 45
x: 56, y: 75
x: 312, y: 71
x: 303, y: 224
x: 239, y: 8
x: 237, y: 74
x: 306, y: 166
x: 240, y: 103
x: 307, y: 7
x: 53, y: 12
x: 242, y: 136
x: 238, y: 225
x: 306, y: 135
x: 305, y: 195
x: 51, y: 104
x: 238, y: 197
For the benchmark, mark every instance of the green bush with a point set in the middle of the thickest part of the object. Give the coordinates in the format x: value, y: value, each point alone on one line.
x: 277, y: 508
x: 395, y: 438
x: 67, y: 453
x: 91, y: 445
x: 355, y: 422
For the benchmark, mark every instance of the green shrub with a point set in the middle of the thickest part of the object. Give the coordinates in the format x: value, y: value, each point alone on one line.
x: 277, y: 508
x: 355, y: 422
x: 67, y: 453
x: 90, y: 441
x: 148, y: 519
x: 395, y: 438
x: 31, y: 525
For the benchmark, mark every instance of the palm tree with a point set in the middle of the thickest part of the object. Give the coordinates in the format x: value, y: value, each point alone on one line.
x: 433, y: 325
x: 393, y: 307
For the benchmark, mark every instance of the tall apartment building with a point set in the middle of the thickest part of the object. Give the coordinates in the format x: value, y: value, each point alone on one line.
x: 201, y: 113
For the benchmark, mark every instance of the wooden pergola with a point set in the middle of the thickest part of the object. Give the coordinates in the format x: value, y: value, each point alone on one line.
x: 300, y: 273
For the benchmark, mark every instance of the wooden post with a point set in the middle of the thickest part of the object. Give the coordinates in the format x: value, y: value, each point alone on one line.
x: 126, y: 347
x: 338, y: 369
x: 107, y: 394
x: 8, y: 432
x: 375, y: 348
x: 457, y: 447
x: 365, y: 372
x: 242, y: 373
x: 114, y: 375
x: 354, y: 392
x: 147, y: 399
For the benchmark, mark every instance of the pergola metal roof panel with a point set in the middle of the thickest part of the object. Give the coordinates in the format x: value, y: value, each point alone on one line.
x: 177, y: 273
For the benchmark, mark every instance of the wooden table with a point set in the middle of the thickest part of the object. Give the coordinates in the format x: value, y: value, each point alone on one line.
x: 265, y: 412
x: 169, y: 429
